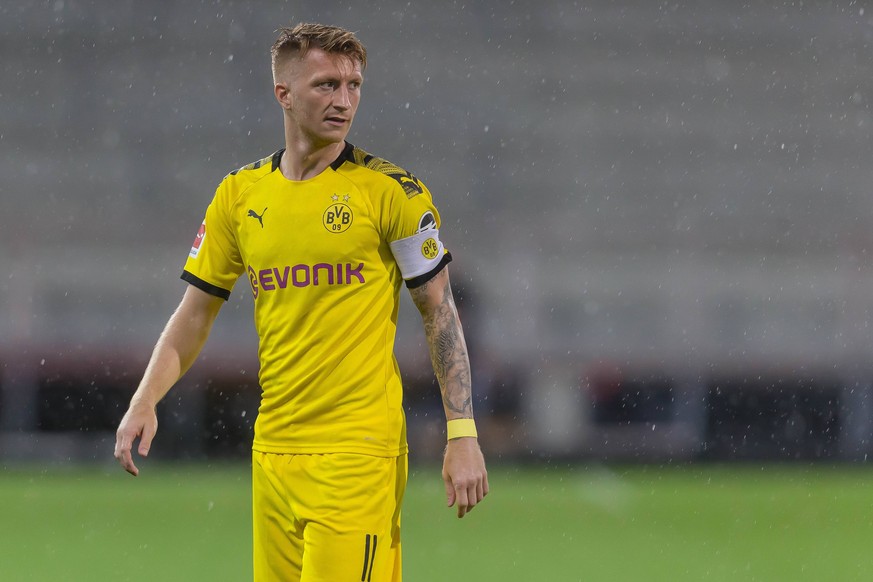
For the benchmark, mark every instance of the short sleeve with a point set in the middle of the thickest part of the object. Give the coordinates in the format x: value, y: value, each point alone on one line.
x: 414, y: 234
x: 214, y: 263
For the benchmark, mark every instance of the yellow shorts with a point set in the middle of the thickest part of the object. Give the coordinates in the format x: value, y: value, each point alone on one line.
x: 327, y: 518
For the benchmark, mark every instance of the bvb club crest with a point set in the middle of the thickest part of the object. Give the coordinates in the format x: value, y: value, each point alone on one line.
x: 338, y: 217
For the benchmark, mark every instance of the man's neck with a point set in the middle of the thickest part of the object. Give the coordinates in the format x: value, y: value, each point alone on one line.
x: 303, y: 160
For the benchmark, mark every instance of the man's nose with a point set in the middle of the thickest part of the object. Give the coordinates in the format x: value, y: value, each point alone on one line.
x: 342, y: 98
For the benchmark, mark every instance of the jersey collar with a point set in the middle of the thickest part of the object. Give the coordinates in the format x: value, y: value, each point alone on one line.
x: 345, y: 156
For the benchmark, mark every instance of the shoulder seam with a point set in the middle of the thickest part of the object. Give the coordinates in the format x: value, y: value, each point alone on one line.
x: 254, y: 166
x: 258, y: 164
x: 410, y: 184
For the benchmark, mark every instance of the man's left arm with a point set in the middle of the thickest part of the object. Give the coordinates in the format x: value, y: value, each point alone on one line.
x: 464, y: 473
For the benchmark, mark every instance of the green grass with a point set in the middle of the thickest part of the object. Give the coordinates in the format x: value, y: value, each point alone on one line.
x: 770, y: 523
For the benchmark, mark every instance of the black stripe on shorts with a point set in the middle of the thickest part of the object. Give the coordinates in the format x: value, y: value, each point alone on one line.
x: 369, y: 558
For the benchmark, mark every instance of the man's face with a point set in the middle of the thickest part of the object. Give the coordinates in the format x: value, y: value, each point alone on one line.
x: 323, y: 92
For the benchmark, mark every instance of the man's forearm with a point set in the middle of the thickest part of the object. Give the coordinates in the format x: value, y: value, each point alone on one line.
x: 177, y: 348
x: 163, y: 370
x: 448, y: 350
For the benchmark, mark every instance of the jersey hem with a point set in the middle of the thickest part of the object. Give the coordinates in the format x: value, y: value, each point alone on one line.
x: 318, y: 450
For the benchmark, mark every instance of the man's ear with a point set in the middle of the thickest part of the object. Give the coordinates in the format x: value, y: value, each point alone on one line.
x: 283, y: 95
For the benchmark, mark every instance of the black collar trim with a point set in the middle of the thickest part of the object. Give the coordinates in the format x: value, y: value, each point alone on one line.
x: 345, y: 156
x: 277, y: 157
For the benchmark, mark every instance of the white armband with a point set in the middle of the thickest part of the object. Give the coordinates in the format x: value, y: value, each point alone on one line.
x: 419, y: 253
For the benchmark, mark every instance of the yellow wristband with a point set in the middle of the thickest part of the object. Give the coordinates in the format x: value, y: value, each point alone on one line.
x: 461, y: 427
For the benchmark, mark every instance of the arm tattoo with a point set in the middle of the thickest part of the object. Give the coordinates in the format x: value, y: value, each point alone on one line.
x: 448, y: 350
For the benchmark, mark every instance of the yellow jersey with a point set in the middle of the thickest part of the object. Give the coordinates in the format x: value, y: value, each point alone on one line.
x: 325, y: 259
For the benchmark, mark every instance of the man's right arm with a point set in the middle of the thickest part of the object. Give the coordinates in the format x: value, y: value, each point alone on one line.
x: 175, y: 352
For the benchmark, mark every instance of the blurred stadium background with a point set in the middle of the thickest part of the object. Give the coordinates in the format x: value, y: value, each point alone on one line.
x: 660, y: 215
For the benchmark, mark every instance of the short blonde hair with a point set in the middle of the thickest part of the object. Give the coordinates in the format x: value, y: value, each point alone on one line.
x: 299, y: 40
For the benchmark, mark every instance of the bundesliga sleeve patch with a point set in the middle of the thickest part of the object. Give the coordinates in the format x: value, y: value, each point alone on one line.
x: 198, y: 241
x: 419, y: 253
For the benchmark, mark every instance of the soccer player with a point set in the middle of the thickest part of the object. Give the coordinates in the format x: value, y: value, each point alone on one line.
x: 326, y: 235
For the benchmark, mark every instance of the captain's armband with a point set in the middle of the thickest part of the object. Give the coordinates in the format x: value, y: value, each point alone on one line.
x: 418, y: 254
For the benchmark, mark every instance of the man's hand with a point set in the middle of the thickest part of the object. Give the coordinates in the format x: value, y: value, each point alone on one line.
x: 140, y: 421
x: 464, y: 474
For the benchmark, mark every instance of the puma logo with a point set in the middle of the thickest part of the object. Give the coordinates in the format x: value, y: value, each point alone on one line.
x: 260, y: 216
x: 410, y: 184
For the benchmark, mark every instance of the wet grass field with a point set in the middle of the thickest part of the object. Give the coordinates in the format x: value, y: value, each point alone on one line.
x: 565, y: 523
